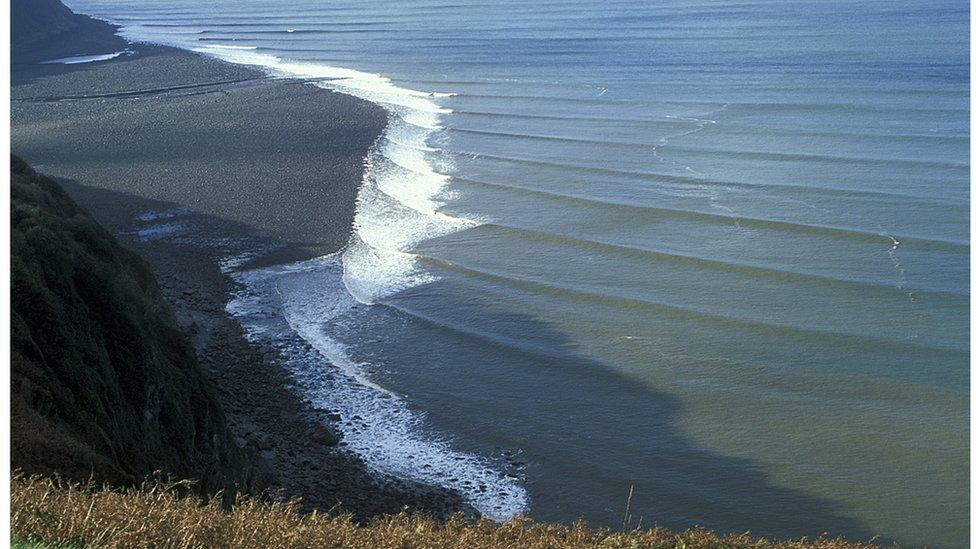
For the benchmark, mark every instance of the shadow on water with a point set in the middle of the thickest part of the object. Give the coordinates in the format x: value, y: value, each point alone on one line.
x: 256, y: 396
x: 501, y: 380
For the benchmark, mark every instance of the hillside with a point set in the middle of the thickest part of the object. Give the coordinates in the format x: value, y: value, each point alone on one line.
x: 47, y: 29
x: 103, y: 383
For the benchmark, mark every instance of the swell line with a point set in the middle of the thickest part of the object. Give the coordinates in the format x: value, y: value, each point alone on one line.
x: 754, y: 155
x: 686, y: 180
x: 881, y: 236
x: 683, y: 312
x: 714, y: 264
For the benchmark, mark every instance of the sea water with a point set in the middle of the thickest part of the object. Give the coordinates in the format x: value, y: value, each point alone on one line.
x: 717, y: 252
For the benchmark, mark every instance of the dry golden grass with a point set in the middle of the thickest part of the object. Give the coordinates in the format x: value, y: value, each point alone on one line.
x: 59, y: 514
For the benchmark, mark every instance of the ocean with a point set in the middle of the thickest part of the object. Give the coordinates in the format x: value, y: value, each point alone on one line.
x: 714, y: 252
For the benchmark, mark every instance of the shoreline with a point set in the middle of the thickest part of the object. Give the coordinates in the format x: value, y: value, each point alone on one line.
x: 222, y: 139
x: 517, y: 237
x: 297, y: 442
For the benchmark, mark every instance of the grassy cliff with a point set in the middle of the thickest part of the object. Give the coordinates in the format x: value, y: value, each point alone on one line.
x: 103, y: 382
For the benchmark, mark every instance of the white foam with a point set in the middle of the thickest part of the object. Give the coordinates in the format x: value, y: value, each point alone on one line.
x: 387, y: 229
x: 307, y: 299
x: 78, y: 59
x: 157, y: 232
x: 232, y: 47
x: 369, y: 86
x: 164, y: 214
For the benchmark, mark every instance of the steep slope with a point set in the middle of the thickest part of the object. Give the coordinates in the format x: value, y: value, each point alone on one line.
x: 103, y: 383
x: 47, y: 29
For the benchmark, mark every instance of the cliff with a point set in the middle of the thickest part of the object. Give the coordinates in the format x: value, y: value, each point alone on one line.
x: 103, y: 382
x: 47, y: 29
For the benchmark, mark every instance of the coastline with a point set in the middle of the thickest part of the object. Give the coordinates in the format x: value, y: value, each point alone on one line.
x: 158, y: 192
x: 543, y: 212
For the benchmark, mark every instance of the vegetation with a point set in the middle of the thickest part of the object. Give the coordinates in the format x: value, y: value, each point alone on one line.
x: 104, y: 385
x: 59, y: 514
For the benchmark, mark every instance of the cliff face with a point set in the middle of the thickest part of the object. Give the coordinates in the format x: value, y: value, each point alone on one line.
x: 47, y: 29
x: 39, y: 19
x: 103, y: 382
